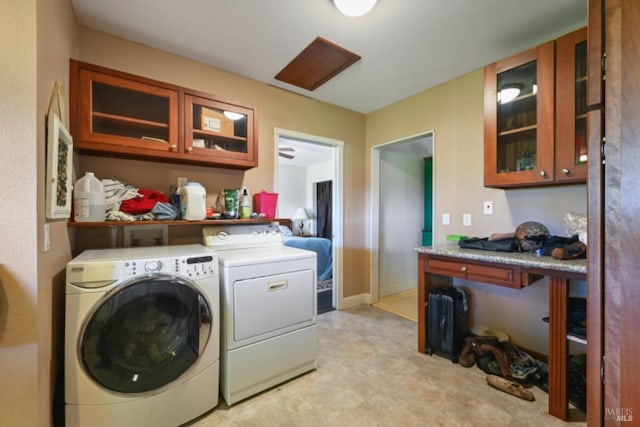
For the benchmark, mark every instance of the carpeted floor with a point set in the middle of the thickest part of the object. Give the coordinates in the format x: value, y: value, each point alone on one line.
x: 370, y: 374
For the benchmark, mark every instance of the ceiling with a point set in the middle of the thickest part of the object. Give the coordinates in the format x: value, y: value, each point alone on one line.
x: 304, y: 153
x: 407, y: 46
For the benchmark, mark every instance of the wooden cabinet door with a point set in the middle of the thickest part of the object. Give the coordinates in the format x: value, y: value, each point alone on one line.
x: 118, y: 114
x: 519, y: 131
x: 571, y: 108
x: 621, y: 215
x: 219, y: 132
x: 595, y: 35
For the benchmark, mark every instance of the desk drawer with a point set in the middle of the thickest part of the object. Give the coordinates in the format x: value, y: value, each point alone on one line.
x: 502, y: 275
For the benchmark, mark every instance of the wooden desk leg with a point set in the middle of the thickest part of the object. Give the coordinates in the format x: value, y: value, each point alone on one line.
x: 423, y: 291
x: 426, y: 282
x: 558, y: 294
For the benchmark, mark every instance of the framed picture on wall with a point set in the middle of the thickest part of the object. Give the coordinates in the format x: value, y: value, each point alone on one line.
x: 59, y: 166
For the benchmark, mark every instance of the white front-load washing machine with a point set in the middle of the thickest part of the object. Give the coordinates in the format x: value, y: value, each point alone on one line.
x: 142, y: 339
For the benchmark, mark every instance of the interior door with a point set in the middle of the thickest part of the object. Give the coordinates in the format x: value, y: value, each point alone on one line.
x: 427, y: 231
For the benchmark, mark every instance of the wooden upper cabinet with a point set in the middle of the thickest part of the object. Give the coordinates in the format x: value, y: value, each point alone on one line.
x: 539, y: 137
x: 219, y: 130
x: 115, y: 113
x: 519, y: 119
x: 595, y: 35
x: 571, y: 108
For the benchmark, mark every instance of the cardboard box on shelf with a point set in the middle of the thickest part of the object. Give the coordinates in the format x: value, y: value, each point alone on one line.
x: 215, y: 121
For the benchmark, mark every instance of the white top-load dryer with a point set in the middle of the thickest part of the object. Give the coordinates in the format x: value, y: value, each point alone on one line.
x: 268, y: 308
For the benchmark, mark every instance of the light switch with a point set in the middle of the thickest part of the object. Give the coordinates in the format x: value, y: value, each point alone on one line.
x: 47, y: 239
x: 466, y: 219
x: 446, y: 219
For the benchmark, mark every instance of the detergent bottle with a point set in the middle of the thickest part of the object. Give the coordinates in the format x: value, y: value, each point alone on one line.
x: 245, y: 204
x: 193, y: 201
x: 88, y: 199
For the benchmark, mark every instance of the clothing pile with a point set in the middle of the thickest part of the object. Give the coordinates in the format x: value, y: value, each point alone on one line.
x: 124, y: 202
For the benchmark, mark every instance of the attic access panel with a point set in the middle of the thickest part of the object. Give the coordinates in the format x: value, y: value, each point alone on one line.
x: 316, y: 64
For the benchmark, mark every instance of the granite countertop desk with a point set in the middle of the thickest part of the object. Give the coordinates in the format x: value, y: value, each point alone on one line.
x: 438, y: 265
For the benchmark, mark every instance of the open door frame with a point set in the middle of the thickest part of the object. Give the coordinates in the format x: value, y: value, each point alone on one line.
x: 374, y: 244
x: 338, y: 198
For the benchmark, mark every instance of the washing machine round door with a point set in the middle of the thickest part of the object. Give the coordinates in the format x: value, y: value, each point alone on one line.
x: 145, y: 334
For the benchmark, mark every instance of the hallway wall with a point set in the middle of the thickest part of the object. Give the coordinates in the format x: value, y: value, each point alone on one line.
x: 401, y: 219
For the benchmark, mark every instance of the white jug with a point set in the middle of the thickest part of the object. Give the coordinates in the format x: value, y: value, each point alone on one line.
x: 88, y: 199
x: 193, y: 202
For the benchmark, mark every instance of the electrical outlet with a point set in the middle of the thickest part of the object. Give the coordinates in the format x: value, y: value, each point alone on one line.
x: 487, y: 207
x: 466, y: 219
x: 446, y: 219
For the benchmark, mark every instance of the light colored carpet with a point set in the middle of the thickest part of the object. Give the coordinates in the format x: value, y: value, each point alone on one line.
x: 371, y: 374
x: 404, y: 304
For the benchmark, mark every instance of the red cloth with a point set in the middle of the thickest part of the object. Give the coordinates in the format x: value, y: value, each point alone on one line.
x: 140, y: 205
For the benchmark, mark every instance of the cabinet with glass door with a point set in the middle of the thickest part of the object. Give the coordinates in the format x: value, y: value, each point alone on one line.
x: 571, y: 108
x: 519, y: 119
x: 124, y: 115
x: 220, y: 131
x: 112, y: 112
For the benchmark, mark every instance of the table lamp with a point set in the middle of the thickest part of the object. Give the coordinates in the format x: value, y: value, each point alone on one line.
x: 301, y: 214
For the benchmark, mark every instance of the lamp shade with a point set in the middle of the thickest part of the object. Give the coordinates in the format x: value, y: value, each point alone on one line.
x: 301, y: 213
x: 354, y: 8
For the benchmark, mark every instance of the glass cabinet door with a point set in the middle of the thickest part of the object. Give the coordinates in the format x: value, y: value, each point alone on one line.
x: 219, y: 130
x: 130, y: 114
x: 519, y: 119
x: 571, y: 107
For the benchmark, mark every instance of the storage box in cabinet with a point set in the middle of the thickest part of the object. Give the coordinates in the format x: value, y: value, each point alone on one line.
x: 213, y: 121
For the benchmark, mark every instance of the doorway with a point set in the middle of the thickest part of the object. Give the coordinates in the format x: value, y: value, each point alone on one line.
x: 402, y: 217
x: 309, y: 175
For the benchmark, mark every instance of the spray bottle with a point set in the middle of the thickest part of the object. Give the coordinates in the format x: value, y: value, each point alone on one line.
x: 245, y: 204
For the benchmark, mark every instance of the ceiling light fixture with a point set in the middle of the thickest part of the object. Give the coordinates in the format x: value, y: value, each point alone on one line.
x: 354, y: 8
x: 233, y: 116
x: 509, y: 92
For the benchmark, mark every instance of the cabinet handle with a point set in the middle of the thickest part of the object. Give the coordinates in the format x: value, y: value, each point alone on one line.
x: 566, y: 171
x: 174, y: 147
x: 543, y: 174
x: 189, y: 149
x: 463, y: 268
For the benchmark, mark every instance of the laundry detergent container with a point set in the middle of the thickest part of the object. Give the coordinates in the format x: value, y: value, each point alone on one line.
x: 88, y: 199
x: 193, y: 202
x: 265, y: 203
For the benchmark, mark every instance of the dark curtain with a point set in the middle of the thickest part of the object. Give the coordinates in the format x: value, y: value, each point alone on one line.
x: 324, y: 204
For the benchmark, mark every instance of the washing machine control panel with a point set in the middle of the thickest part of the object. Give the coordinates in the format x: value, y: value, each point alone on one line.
x: 195, y: 267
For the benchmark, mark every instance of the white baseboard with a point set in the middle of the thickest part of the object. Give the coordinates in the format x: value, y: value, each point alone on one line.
x: 355, y: 300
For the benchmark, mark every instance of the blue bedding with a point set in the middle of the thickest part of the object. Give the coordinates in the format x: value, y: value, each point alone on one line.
x: 320, y: 246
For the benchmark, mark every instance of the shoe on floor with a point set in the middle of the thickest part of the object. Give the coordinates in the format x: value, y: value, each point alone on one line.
x: 510, y: 387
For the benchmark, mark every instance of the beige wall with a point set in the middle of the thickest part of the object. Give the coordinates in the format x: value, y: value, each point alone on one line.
x: 18, y: 214
x: 454, y: 111
x: 57, y: 39
x: 276, y: 109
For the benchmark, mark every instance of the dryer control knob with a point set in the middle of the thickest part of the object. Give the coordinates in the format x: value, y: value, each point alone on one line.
x: 153, y: 266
